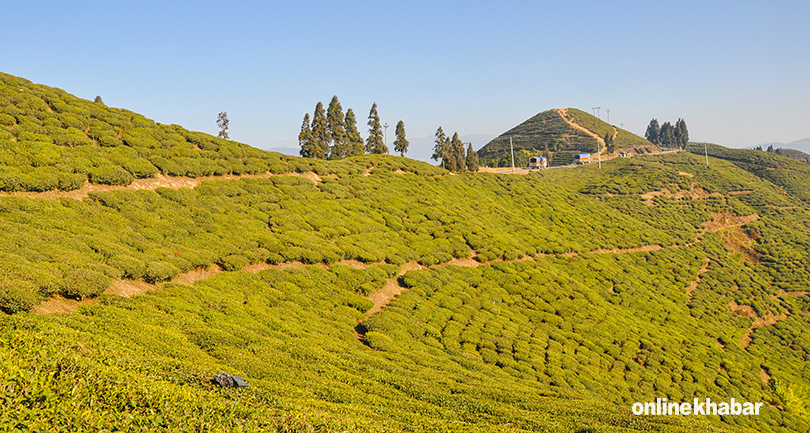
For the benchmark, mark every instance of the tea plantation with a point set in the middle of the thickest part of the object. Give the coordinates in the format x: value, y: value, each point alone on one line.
x: 547, y: 302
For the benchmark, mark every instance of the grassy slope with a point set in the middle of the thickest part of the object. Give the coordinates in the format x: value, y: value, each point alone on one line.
x: 624, y: 139
x: 544, y: 129
x: 51, y: 140
x: 559, y: 343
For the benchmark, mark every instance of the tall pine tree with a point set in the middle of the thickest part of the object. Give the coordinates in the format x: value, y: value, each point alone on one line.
x: 610, y: 146
x: 666, y: 137
x: 305, y: 138
x: 354, y: 142
x: 683, y: 133
x: 472, y: 159
x: 401, y: 143
x: 222, y: 122
x: 338, y: 148
x: 653, y: 131
x: 439, y: 144
x: 320, y: 133
x: 374, y: 142
x: 457, y: 151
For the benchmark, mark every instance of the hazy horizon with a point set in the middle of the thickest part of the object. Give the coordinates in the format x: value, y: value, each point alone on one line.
x: 736, y: 72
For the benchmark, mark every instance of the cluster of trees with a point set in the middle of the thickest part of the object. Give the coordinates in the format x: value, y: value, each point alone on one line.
x: 668, y: 135
x: 332, y: 135
x: 451, y: 153
x: 610, y: 145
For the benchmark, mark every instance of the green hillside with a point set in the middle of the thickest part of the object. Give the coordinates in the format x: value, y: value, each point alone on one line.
x: 553, y: 130
x: 798, y: 155
x: 52, y: 140
x: 381, y: 294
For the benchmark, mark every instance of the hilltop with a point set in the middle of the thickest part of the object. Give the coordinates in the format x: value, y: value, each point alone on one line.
x: 52, y: 140
x: 562, y: 132
x: 377, y: 293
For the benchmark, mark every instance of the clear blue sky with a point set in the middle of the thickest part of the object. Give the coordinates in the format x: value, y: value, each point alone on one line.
x: 738, y: 72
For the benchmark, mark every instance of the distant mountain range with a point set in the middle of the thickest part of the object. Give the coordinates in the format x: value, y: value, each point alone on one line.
x: 803, y: 145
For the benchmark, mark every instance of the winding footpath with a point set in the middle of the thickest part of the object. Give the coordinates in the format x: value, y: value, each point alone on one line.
x: 393, y: 286
x: 152, y: 183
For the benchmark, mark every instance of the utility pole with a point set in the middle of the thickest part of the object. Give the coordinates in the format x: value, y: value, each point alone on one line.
x: 386, y: 134
x: 513, y: 154
x: 598, y: 147
x: 608, y: 112
x: 706, y: 152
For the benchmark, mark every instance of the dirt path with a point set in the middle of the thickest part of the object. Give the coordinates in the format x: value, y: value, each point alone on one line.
x: 381, y: 298
x: 694, y: 285
x: 153, y: 183
x: 393, y: 287
x: 564, y: 114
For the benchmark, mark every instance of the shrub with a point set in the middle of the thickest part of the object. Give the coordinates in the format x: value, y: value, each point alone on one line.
x: 359, y: 303
x: 159, y: 271
x: 140, y: 168
x: 17, y: 296
x: 7, y: 120
x: 70, y: 181
x: 131, y: 268
x: 110, y: 175
x: 234, y: 262
x: 84, y: 283
x: 379, y: 341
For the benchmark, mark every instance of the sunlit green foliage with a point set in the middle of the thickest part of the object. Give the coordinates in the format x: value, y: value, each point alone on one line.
x: 52, y: 140
x: 633, y: 285
x: 548, y: 130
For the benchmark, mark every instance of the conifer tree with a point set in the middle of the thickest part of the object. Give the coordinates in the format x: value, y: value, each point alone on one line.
x: 682, y: 132
x: 472, y: 162
x: 401, y: 143
x: 666, y: 137
x: 610, y: 146
x: 98, y: 100
x: 354, y: 143
x: 439, y: 147
x: 305, y: 138
x: 653, y: 131
x: 320, y: 133
x: 222, y: 123
x: 374, y: 142
x: 457, y: 152
x: 338, y: 148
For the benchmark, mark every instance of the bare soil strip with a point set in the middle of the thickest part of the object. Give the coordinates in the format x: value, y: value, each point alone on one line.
x: 393, y: 287
x: 564, y: 114
x: 746, y: 311
x: 724, y: 220
x: 695, y: 193
x: 382, y: 297
x: 766, y: 378
x: 153, y: 183
x: 694, y: 285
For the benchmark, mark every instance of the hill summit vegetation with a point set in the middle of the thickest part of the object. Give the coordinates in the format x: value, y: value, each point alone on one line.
x: 376, y: 293
x: 558, y: 134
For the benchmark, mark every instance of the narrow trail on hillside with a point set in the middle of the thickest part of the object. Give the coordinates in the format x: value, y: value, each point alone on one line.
x: 563, y: 112
x: 152, y: 183
x: 694, y: 285
x: 380, y: 298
